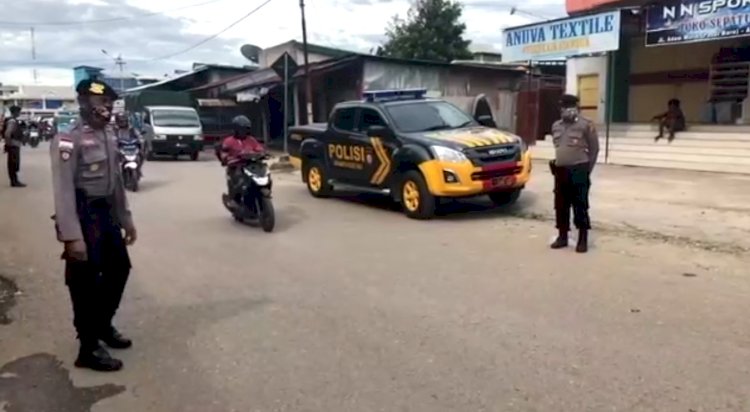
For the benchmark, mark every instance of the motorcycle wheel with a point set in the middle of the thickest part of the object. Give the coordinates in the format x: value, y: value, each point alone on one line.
x: 34, y: 143
x: 131, y: 182
x: 266, y: 214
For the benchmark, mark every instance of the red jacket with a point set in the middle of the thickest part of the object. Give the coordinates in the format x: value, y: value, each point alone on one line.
x: 233, y: 148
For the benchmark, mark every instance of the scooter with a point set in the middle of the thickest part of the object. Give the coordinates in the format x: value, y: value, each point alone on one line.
x: 129, y: 154
x: 254, y: 204
x: 34, y: 137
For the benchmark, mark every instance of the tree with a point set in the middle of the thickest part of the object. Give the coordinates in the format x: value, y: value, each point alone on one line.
x: 432, y: 31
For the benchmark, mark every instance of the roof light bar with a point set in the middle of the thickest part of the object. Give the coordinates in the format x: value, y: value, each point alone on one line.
x: 394, y: 95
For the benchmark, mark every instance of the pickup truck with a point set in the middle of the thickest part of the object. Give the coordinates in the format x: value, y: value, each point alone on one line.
x: 414, y: 148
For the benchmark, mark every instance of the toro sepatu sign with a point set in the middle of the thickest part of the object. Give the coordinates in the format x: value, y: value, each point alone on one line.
x: 562, y: 38
x: 688, y: 21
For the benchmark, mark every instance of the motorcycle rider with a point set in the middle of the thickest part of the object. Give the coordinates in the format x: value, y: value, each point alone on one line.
x: 127, y: 134
x: 232, y: 150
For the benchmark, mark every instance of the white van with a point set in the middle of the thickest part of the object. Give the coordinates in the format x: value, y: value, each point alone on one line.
x: 173, y: 131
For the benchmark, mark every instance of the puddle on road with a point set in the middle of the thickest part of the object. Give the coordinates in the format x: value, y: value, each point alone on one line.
x: 40, y: 383
x: 8, y: 291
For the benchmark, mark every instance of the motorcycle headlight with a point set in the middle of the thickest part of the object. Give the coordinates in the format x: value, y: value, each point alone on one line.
x: 198, y: 137
x: 446, y: 154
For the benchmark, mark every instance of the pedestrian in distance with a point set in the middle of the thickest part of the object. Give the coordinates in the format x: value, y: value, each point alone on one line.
x: 576, y: 149
x: 13, y: 135
x: 91, y: 214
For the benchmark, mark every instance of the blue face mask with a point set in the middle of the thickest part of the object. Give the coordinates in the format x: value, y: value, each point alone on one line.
x: 569, y: 114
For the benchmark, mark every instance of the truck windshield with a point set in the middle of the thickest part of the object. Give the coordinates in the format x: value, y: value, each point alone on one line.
x: 175, y: 118
x: 427, y: 116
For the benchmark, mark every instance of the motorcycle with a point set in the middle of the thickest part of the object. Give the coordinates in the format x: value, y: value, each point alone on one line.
x: 33, y: 137
x: 254, y: 204
x: 129, y: 154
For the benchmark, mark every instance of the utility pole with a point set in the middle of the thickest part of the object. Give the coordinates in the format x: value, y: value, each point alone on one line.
x: 33, y: 54
x: 119, y: 62
x: 308, y: 80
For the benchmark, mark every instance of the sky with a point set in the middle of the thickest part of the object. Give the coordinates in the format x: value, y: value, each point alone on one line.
x: 152, y: 45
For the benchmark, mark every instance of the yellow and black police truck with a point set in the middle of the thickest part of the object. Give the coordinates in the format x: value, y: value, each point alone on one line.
x: 415, y: 148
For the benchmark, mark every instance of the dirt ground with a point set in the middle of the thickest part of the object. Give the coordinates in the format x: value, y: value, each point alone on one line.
x: 349, y: 306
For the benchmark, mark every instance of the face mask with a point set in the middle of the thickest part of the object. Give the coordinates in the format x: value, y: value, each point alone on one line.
x: 569, y: 114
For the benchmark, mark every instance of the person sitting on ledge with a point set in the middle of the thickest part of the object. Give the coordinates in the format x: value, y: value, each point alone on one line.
x: 673, y: 120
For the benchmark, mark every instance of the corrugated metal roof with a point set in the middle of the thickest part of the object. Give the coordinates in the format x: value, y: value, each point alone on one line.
x: 168, y: 80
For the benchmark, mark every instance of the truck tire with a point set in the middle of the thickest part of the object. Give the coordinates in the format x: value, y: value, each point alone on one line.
x: 416, y: 199
x: 315, y: 177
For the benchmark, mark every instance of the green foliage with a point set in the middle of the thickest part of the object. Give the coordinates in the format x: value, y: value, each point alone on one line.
x: 432, y: 31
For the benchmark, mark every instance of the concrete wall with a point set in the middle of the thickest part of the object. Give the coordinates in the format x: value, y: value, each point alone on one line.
x: 581, y: 66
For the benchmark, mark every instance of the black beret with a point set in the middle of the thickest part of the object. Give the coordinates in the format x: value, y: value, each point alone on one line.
x: 568, y: 100
x: 91, y: 87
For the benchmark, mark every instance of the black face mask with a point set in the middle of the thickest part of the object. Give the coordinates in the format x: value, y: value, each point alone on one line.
x: 569, y: 114
x: 97, y: 116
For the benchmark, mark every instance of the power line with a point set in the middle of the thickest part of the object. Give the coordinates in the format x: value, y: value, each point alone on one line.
x: 98, y: 21
x: 194, y: 46
x: 215, y: 35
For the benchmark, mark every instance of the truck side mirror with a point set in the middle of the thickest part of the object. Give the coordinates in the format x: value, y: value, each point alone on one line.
x: 379, y: 131
x: 486, y: 121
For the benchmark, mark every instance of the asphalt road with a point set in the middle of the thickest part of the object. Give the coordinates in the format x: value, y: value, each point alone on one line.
x: 349, y: 306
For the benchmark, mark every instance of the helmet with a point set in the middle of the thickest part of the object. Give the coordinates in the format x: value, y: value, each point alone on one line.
x: 121, y: 119
x: 241, y: 125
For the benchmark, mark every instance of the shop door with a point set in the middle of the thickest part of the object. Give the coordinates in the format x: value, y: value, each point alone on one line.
x: 588, y: 93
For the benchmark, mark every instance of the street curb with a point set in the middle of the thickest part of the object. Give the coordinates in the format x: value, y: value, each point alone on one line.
x: 282, y: 165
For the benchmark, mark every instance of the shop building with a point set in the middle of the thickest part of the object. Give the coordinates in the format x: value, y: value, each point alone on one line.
x: 695, y: 51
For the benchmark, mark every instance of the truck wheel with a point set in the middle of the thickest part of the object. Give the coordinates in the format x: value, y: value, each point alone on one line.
x: 416, y: 198
x: 315, y: 177
x: 505, y: 198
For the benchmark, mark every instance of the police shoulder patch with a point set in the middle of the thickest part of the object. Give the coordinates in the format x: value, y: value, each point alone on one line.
x: 65, y: 146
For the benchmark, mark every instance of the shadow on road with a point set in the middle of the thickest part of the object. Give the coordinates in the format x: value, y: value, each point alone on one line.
x: 8, y: 290
x: 449, y: 209
x: 148, y: 185
x: 40, y: 383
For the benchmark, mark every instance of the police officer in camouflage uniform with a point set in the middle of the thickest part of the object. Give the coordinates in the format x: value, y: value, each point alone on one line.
x: 13, y: 134
x: 576, y: 149
x: 94, y: 222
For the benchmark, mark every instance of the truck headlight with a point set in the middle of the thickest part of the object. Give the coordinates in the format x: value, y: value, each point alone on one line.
x: 446, y: 154
x: 160, y: 137
x: 198, y: 137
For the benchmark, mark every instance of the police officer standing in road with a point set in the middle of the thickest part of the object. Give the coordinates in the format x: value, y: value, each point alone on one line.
x: 13, y: 134
x: 91, y: 213
x: 576, y: 148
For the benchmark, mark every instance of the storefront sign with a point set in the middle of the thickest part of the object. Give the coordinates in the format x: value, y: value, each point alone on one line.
x: 688, y: 21
x: 562, y: 38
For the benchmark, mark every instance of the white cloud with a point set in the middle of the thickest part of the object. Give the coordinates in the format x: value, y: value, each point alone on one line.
x: 350, y: 24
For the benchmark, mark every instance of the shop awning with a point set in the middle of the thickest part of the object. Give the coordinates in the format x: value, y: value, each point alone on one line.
x: 252, y: 95
x: 216, y: 103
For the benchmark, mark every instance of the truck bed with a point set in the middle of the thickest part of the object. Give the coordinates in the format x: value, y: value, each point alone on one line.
x: 297, y: 134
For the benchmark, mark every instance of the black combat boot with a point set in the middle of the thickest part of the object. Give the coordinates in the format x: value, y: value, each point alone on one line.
x: 561, y: 241
x: 96, y: 358
x: 583, y: 241
x: 115, y: 340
